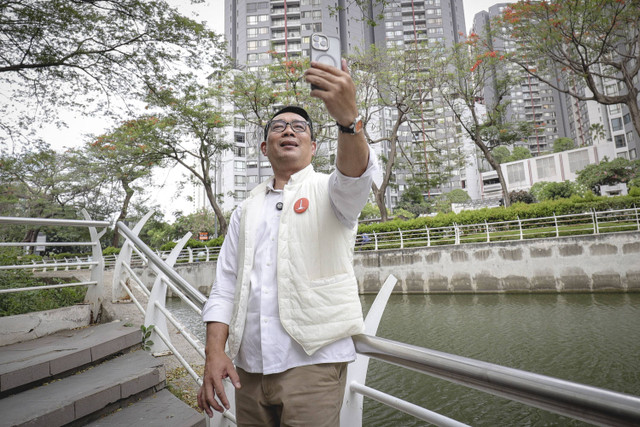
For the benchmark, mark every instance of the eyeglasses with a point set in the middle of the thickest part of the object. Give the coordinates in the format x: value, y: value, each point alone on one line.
x: 298, y: 126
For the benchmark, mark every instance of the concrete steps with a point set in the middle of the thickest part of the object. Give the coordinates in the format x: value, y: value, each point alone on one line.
x: 93, y: 376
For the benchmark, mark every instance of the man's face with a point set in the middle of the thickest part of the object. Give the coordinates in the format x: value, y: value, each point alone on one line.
x: 288, y: 149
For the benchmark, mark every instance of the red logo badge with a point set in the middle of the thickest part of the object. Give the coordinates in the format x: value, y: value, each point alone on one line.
x: 301, y: 205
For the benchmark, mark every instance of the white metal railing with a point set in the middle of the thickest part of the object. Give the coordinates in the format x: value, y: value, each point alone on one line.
x: 574, y: 400
x: 519, y: 229
x: 94, y: 263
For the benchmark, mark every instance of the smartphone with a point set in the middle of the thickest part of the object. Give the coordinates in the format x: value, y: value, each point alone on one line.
x: 324, y: 49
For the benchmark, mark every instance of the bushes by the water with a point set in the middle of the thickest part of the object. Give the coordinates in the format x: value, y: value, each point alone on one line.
x: 36, y: 300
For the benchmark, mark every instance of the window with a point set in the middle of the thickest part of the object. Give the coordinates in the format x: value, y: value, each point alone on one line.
x: 620, y: 141
x: 265, y: 164
x: 239, y: 151
x: 546, y: 167
x: 254, y: 7
x: 515, y: 173
x: 239, y: 165
x: 252, y: 179
x: 252, y: 164
x: 626, y: 119
x: 633, y: 154
x: 578, y: 160
x: 240, y: 195
x: 239, y: 179
x: 616, y: 124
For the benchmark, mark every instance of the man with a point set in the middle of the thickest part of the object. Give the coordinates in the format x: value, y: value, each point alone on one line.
x: 285, y: 295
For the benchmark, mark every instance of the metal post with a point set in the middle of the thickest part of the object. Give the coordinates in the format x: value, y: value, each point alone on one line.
x: 456, y: 234
x: 375, y: 240
x: 401, y: 239
x: 596, y: 227
x: 486, y: 226
x: 555, y: 221
x: 520, y: 227
x: 428, y: 237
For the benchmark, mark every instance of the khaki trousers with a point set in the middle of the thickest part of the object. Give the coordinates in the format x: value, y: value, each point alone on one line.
x: 306, y: 396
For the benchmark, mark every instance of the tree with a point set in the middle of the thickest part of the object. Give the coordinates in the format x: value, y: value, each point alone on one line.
x: 190, y: 131
x: 592, y: 42
x: 462, y: 76
x: 555, y: 190
x: 257, y: 94
x: 563, y: 144
x: 501, y: 154
x: 608, y: 172
x: 91, y: 53
x: 385, y: 91
x: 39, y: 182
x: 122, y: 156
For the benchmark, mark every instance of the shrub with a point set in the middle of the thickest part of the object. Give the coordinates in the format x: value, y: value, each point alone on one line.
x: 110, y: 250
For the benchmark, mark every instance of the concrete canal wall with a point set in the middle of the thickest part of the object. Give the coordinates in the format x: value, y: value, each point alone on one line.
x: 607, y: 262
x: 568, y: 264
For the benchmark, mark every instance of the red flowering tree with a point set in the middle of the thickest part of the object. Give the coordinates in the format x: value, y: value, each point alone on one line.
x: 594, y: 43
x: 464, y: 75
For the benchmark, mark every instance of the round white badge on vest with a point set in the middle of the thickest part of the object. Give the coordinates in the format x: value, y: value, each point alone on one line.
x: 301, y: 205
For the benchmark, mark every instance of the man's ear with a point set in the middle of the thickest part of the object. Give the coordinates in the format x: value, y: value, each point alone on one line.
x: 263, y: 147
x: 313, y: 148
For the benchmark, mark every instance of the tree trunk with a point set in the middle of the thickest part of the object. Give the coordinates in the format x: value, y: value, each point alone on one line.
x: 379, y: 195
x: 128, y: 191
x: 222, y: 221
x: 496, y: 167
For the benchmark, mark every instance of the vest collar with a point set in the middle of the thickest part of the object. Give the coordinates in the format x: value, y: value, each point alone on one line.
x: 295, y: 179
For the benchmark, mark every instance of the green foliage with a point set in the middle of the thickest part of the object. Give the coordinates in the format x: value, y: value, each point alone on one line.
x: 563, y: 144
x: 403, y: 214
x: 146, y: 334
x: 501, y: 154
x: 573, y: 45
x: 54, y: 51
x: 556, y: 190
x: 609, y: 172
x: 520, y: 210
x: 634, y: 192
x: 36, y: 300
x: 370, y: 211
x: 110, y: 250
x: 522, y: 196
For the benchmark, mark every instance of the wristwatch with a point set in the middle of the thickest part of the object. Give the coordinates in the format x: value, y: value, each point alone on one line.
x: 353, y: 128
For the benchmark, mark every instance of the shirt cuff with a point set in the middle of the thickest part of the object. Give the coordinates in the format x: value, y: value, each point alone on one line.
x: 217, y: 311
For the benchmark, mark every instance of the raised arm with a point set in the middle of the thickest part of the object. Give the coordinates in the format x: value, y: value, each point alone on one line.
x: 338, y: 92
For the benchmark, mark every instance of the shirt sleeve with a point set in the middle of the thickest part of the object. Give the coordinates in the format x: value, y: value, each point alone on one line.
x: 219, y: 306
x: 348, y: 195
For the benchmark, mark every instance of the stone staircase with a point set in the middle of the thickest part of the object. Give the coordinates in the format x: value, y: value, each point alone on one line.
x: 95, y: 376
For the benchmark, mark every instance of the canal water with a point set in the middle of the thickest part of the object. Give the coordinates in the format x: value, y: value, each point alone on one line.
x: 588, y: 338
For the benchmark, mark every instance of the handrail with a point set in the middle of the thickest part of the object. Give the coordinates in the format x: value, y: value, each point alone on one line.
x: 578, y: 401
x: 191, y: 292
x: 95, y: 262
x: 53, y: 222
x: 587, y: 403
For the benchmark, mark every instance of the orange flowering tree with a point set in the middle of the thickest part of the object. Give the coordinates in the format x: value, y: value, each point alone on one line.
x: 592, y: 43
x: 385, y: 90
x: 190, y: 131
x: 473, y: 80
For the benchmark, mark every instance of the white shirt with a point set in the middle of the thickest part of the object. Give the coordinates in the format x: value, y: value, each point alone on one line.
x: 266, y: 347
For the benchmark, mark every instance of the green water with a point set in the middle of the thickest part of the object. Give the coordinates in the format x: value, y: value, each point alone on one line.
x: 588, y: 338
x: 593, y: 339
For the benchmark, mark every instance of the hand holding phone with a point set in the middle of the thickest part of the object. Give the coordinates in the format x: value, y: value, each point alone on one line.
x: 324, y: 49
